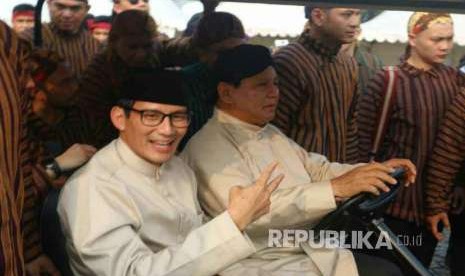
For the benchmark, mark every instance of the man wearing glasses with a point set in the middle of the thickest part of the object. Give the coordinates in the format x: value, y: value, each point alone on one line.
x: 133, y: 209
x: 66, y: 35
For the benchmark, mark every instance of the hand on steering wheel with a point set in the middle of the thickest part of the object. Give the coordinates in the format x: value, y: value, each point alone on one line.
x: 372, y: 178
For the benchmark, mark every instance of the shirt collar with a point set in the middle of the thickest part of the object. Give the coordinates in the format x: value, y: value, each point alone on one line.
x: 319, y: 47
x: 240, y: 127
x: 135, y: 162
x: 414, y: 71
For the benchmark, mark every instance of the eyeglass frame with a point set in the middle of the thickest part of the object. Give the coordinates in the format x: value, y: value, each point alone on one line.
x: 141, y: 112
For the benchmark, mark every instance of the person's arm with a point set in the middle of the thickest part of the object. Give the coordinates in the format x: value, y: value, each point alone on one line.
x: 102, y: 223
x: 447, y: 157
x: 293, y: 206
x: 446, y: 160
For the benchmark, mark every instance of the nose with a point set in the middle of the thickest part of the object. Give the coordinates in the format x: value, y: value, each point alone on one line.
x: 165, y: 127
x: 445, y: 46
x: 274, y: 91
x: 66, y: 12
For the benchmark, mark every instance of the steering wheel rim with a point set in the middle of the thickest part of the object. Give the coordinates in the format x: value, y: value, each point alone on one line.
x: 363, y: 204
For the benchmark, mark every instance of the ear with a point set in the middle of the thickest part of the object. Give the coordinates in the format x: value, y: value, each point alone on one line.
x: 411, y: 39
x: 224, y: 93
x: 88, y: 8
x: 318, y: 16
x: 118, y: 118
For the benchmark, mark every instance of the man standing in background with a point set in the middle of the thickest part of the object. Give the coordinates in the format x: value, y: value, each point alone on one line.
x: 23, y: 18
x: 17, y: 191
x: 318, y: 85
x: 67, y: 35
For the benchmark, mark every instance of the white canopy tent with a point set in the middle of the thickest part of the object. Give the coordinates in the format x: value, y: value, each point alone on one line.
x: 391, y: 26
x: 168, y: 15
x: 260, y: 19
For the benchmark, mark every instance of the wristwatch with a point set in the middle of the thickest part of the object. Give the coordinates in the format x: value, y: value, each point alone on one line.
x: 54, y: 167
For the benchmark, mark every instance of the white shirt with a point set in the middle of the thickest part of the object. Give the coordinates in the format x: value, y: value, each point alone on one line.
x: 122, y: 215
x: 228, y: 152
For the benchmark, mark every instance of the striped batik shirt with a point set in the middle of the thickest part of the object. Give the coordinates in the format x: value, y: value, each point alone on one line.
x: 12, y: 106
x: 318, y: 88
x: 69, y: 130
x: 77, y: 49
x: 421, y: 100
x: 201, y: 83
x: 447, y: 157
x: 98, y: 92
x: 368, y: 65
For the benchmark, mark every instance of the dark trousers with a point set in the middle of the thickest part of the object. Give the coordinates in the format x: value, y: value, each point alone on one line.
x: 53, y: 239
x: 369, y: 266
x: 418, y: 239
x: 456, y: 250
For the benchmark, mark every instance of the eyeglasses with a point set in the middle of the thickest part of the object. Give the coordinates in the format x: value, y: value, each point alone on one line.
x: 153, y: 118
x: 135, y: 2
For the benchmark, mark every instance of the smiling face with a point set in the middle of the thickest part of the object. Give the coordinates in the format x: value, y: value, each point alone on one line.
x: 154, y: 144
x: 254, y: 101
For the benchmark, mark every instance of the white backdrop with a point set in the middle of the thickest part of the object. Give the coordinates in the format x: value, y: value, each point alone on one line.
x: 167, y: 14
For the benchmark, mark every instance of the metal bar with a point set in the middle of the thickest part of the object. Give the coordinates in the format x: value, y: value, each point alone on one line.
x: 452, y: 6
x: 38, y: 23
x: 400, y: 248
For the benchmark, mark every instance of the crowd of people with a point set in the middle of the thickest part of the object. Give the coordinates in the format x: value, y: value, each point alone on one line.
x: 125, y: 152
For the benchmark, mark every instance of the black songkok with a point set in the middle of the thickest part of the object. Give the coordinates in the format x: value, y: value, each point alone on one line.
x: 156, y: 86
x: 241, y: 62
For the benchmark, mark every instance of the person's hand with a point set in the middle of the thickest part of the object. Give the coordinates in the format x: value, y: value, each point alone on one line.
x: 246, y: 204
x: 410, y: 169
x: 433, y: 221
x: 458, y: 200
x: 370, y: 178
x: 75, y: 156
x: 41, y: 265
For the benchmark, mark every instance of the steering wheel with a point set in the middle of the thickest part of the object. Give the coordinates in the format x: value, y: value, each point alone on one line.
x: 365, y: 205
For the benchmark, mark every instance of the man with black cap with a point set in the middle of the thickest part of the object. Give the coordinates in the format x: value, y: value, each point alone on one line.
x: 238, y: 142
x: 66, y: 33
x: 133, y: 209
x: 318, y: 85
